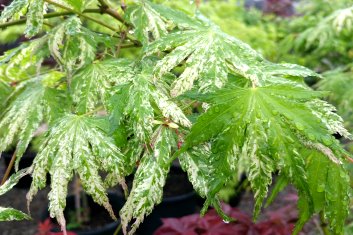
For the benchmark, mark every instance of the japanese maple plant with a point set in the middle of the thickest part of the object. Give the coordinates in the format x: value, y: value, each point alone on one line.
x: 109, y: 113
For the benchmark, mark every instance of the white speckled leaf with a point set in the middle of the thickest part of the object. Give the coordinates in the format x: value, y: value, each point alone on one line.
x: 13, y: 180
x: 91, y: 85
x: 9, y: 214
x: 31, y: 103
x: 35, y: 14
x: 17, y: 64
x: 209, y: 56
x: 147, y: 189
x: 273, y: 126
x: 74, y: 46
x: 136, y: 100
x: 76, y: 144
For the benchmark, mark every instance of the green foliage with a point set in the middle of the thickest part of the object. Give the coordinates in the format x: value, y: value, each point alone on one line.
x: 9, y: 214
x: 276, y: 122
x: 34, y: 9
x: 340, y: 84
x: 91, y: 84
x: 150, y: 177
x: 73, y: 45
x: 108, y: 113
x: 329, y: 187
x: 29, y: 104
x: 76, y: 144
x: 22, y: 62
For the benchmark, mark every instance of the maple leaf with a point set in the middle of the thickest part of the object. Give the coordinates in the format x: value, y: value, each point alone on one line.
x: 29, y: 104
x: 76, y: 144
x: 268, y: 128
x: 210, y: 55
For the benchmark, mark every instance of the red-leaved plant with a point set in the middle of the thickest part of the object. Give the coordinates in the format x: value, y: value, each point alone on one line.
x: 44, y: 228
x: 278, y: 222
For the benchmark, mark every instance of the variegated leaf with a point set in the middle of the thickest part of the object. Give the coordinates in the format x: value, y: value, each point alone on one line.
x: 9, y: 214
x: 76, y: 144
x: 150, y: 177
x: 30, y: 104
x: 91, y: 85
x: 209, y: 56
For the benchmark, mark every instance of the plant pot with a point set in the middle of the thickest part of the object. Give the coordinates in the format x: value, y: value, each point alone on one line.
x: 176, y: 205
x: 26, y: 161
x: 97, y: 214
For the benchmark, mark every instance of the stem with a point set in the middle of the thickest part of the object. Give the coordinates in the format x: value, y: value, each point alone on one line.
x: 47, y: 16
x: 9, y: 168
x: 117, y: 229
x: 105, y: 8
x: 81, y: 14
x: 348, y: 158
x: 323, y: 224
x: 99, y: 108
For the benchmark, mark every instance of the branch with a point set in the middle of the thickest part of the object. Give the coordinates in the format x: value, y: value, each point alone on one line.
x: 82, y: 15
x: 105, y: 8
x: 9, y: 168
x: 348, y: 158
x: 46, y: 16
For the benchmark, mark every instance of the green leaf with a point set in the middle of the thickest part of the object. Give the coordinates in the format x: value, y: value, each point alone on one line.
x: 14, y: 11
x: 9, y: 214
x: 13, y: 180
x: 209, y: 56
x: 76, y: 144
x: 272, y: 126
x: 34, y: 9
x: 340, y: 85
x: 74, y: 46
x: 207, y: 172
x: 151, y: 99
x: 22, y: 62
x: 34, y: 17
x: 91, y: 85
x: 153, y: 21
x: 31, y: 103
x: 147, y: 22
x: 327, y: 30
x: 329, y: 186
x: 150, y: 177
x: 5, y: 91
x: 75, y: 4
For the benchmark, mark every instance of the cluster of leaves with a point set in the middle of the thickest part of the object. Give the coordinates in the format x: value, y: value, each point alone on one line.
x: 258, y: 116
x: 277, y: 222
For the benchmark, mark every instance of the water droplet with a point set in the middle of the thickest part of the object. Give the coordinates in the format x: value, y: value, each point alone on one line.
x: 216, y: 109
x: 226, y: 221
x: 311, y: 137
x: 299, y: 126
x: 327, y: 140
x: 320, y: 188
